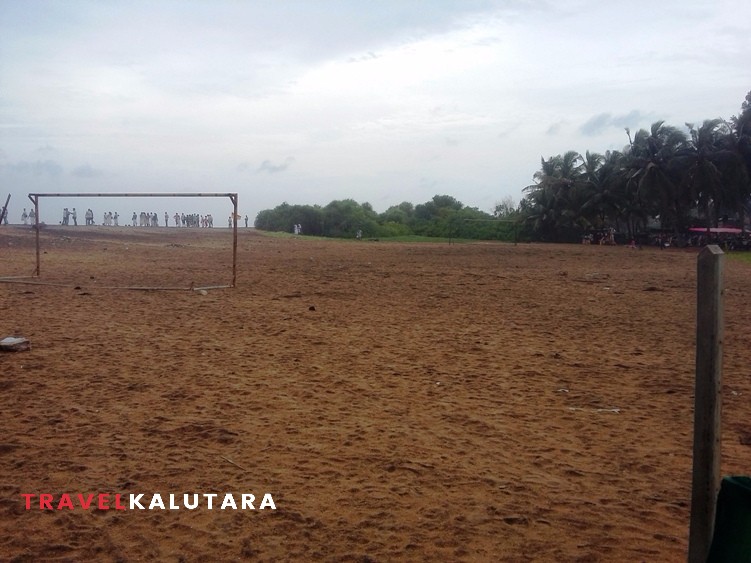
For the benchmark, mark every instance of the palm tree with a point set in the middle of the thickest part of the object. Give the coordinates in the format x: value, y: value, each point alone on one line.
x: 654, y: 172
x: 662, y: 173
x: 602, y: 184
x: 709, y: 167
x: 541, y: 212
x: 555, y: 197
x: 741, y: 145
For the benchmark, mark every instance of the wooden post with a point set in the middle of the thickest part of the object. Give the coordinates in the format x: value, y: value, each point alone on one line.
x: 707, y: 401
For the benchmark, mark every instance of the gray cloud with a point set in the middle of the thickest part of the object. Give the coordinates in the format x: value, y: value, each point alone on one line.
x: 631, y: 119
x: 86, y: 171
x: 555, y: 128
x: 369, y: 56
x: 271, y: 168
x: 596, y: 124
x: 600, y: 122
x: 37, y: 168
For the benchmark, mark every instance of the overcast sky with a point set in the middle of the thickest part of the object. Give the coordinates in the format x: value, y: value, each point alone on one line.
x: 313, y: 100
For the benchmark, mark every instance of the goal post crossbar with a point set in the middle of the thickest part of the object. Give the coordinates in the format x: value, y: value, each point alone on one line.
x: 34, y: 197
x: 136, y: 194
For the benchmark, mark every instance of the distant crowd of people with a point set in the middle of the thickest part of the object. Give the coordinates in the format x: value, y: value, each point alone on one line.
x: 145, y: 219
x: 728, y: 241
x: 142, y: 219
x: 604, y: 237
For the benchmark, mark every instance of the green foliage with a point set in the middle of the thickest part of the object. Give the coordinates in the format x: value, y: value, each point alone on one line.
x: 284, y: 217
x: 390, y: 229
x: 741, y: 256
x: 345, y: 217
x: 679, y: 179
x: 401, y: 213
x: 443, y: 217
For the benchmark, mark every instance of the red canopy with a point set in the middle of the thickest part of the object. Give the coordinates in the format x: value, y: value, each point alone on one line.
x: 726, y: 230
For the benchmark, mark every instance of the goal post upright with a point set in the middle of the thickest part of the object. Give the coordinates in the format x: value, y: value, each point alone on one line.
x: 233, y: 197
x: 34, y: 197
x: 35, y: 200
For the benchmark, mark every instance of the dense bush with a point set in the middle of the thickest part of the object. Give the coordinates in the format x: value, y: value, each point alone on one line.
x: 442, y: 216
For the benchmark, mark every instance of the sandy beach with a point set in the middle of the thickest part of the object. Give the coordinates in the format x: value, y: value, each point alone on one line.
x: 399, y: 401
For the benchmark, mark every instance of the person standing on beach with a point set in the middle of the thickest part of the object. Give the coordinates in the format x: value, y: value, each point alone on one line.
x: 166, y: 219
x: 24, y: 216
x: 246, y: 221
x: 74, y: 215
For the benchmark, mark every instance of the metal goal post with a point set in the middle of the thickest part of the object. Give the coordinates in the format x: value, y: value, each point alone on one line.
x: 34, y: 197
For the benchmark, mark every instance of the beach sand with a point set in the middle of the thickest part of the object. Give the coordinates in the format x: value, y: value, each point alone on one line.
x: 414, y: 402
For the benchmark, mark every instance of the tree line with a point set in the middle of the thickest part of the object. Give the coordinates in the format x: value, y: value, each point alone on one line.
x: 665, y: 178
x: 442, y: 216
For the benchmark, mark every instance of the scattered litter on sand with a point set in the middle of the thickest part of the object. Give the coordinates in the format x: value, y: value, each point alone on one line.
x: 14, y: 344
x: 613, y: 410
